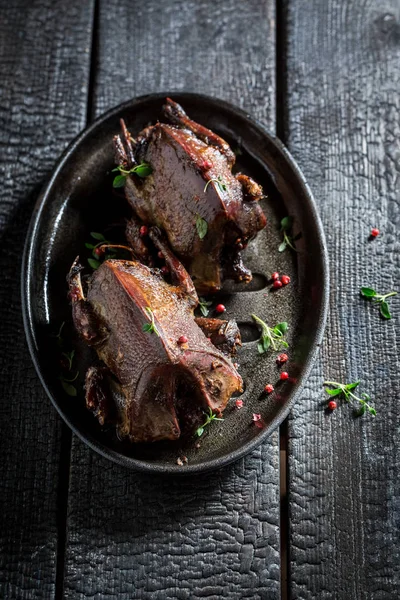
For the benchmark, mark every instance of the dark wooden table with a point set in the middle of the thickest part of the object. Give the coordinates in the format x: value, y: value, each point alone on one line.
x: 315, y: 512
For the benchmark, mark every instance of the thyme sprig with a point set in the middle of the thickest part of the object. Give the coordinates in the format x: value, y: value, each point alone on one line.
x: 288, y: 240
x: 271, y: 337
x: 219, y: 184
x: 337, y: 389
x: 380, y: 299
x: 203, y: 306
x: 97, y: 254
x: 210, y: 417
x: 150, y: 327
x: 142, y: 170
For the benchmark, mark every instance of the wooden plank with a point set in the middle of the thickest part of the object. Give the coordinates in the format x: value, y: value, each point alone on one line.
x: 130, y: 535
x: 342, y: 122
x: 44, y: 64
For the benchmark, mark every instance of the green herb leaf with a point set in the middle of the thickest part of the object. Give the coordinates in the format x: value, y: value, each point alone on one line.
x: 282, y: 327
x: 209, y: 418
x: 368, y: 292
x: 97, y: 236
x: 361, y: 411
x: 203, y: 306
x: 385, y: 312
x: 142, y: 170
x: 68, y: 388
x: 336, y: 388
x: 271, y: 337
x: 94, y: 263
x: 119, y: 181
x: 150, y: 327
x: 334, y: 392
x: 201, y: 226
x: 286, y: 223
x: 90, y: 246
x: 352, y: 386
x: 282, y: 247
x: 380, y: 299
x: 288, y: 239
x: 219, y: 184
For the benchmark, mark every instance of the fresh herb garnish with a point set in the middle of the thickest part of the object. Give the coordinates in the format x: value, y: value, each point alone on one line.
x: 201, y: 226
x: 203, y: 306
x: 94, y: 263
x: 209, y: 418
x: 69, y: 356
x: 219, y: 183
x: 346, y: 389
x: 288, y: 239
x: 380, y: 299
x: 97, y: 251
x: 142, y: 170
x: 271, y: 337
x: 150, y: 327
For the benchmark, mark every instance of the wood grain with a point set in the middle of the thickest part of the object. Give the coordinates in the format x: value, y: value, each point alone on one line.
x: 44, y: 65
x: 342, y: 125
x: 130, y: 535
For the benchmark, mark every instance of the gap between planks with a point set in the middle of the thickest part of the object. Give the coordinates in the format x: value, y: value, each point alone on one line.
x: 280, y: 124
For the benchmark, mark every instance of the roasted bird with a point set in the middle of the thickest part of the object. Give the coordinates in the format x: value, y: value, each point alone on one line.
x: 207, y: 213
x: 159, y: 371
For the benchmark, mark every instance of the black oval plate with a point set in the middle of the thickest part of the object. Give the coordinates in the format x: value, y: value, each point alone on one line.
x: 79, y: 198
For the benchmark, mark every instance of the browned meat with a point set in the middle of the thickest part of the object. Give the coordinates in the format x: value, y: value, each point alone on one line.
x: 207, y: 213
x: 160, y: 383
x: 225, y: 335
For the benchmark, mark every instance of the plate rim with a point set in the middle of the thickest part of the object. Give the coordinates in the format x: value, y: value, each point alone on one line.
x: 26, y: 271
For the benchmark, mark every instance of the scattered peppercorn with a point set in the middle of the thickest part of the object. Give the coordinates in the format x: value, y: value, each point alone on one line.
x: 207, y: 164
x: 269, y: 388
x: 332, y: 405
x: 282, y: 358
x: 257, y: 420
x: 183, y: 339
x: 275, y: 276
x: 277, y: 284
x: 239, y: 403
x: 284, y: 375
x: 220, y: 308
x: 285, y: 279
x: 98, y: 252
x: 143, y: 230
x: 164, y: 270
x: 160, y: 254
x: 374, y: 232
